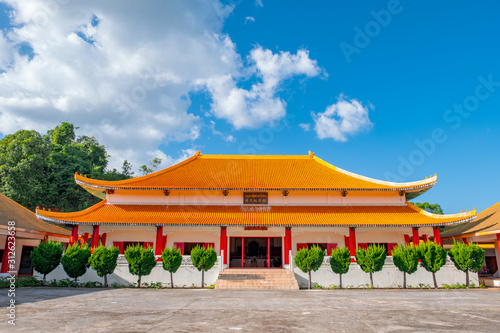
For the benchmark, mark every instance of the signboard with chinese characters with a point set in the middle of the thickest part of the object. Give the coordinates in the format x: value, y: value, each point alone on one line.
x: 255, y: 198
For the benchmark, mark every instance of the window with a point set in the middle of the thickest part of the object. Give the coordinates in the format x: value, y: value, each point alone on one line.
x: 328, y: 247
x: 186, y: 248
x: 122, y: 246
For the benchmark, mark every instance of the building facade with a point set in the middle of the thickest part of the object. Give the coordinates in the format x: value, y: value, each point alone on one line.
x: 254, y: 210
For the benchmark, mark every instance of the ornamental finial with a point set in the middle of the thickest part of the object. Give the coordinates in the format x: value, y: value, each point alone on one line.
x: 198, y: 153
x: 311, y: 154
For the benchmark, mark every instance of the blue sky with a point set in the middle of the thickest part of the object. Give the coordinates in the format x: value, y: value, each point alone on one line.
x: 390, y: 90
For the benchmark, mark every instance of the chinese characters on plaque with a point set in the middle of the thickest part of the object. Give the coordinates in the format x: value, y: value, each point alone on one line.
x: 252, y: 198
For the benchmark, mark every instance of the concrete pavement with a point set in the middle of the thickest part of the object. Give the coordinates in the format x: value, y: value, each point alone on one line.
x: 194, y: 310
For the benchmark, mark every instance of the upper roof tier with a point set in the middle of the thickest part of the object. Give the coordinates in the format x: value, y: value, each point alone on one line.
x: 269, y: 216
x: 253, y: 172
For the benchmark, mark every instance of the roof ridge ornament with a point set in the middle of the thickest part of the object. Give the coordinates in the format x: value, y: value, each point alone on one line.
x: 311, y: 154
x: 198, y: 153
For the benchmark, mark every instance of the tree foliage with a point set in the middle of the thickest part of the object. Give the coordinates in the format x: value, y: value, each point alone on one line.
x: 372, y: 259
x: 203, y: 259
x: 76, y: 260
x: 433, y: 257
x: 405, y: 259
x: 172, y: 260
x: 153, y: 166
x: 46, y: 257
x: 340, y: 261
x: 309, y: 259
x: 141, y: 261
x: 431, y: 208
x: 39, y: 170
x: 467, y: 258
x: 104, y: 261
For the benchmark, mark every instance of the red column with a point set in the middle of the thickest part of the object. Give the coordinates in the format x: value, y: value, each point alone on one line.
x: 159, y: 241
x: 352, y: 241
x: 437, y: 235
x: 95, y: 237
x: 103, y: 239
x: 424, y: 238
x: 416, y: 237
x: 242, y: 252
x: 5, y: 258
x: 407, y: 240
x: 288, y: 244
x: 223, y: 243
x: 465, y: 241
x: 268, y: 252
x: 74, y: 235
x: 85, y: 238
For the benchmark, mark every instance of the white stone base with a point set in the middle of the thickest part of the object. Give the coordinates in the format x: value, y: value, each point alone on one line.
x: 185, y: 277
x: 389, y: 277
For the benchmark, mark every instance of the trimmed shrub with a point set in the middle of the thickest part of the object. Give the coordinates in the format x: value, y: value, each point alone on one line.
x: 467, y: 258
x: 203, y: 259
x: 172, y: 260
x: 371, y: 260
x: 104, y: 261
x: 433, y: 257
x: 406, y: 260
x: 309, y: 259
x: 46, y: 257
x: 141, y: 261
x: 340, y: 261
x: 76, y: 260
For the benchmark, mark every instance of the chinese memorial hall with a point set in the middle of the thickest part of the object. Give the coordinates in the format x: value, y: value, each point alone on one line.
x: 255, y: 211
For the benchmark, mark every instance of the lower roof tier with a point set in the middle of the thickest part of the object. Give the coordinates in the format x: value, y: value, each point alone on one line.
x: 209, y: 215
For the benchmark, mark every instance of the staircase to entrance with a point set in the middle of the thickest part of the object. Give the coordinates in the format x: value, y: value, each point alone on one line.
x: 256, y: 279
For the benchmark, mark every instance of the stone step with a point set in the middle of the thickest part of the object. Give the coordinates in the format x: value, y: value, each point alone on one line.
x: 256, y: 279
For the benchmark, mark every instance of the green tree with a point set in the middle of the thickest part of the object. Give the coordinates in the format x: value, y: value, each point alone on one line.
x: 76, y: 260
x: 431, y: 208
x: 467, y: 258
x: 371, y: 260
x: 203, y: 259
x: 104, y: 261
x: 406, y: 260
x: 433, y: 257
x: 127, y: 169
x: 23, y: 168
x: 153, y: 166
x: 46, y: 257
x: 172, y: 260
x: 141, y: 261
x: 309, y: 259
x: 36, y: 170
x: 340, y: 261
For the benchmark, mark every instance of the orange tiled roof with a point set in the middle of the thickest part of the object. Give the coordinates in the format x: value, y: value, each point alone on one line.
x: 249, y: 172
x: 25, y: 219
x: 487, y: 222
x: 104, y: 213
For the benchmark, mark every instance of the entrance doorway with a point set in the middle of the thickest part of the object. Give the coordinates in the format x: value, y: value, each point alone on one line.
x: 255, y: 252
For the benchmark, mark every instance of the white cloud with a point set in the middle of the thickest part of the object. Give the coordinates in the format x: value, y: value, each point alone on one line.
x: 225, y: 137
x: 342, y: 119
x: 123, y: 72
x: 260, y: 104
x: 249, y: 19
x: 305, y: 127
x: 259, y: 3
x: 125, y: 80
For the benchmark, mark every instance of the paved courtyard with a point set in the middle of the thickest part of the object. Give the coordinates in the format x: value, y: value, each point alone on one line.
x: 148, y: 310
